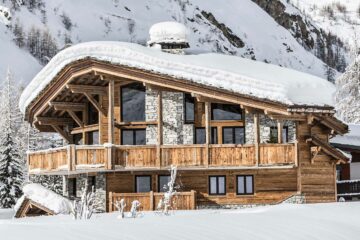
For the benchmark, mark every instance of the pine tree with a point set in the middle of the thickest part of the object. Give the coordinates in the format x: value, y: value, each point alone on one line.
x: 11, y: 169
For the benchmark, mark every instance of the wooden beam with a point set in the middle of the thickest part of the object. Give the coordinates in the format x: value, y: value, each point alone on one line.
x: 201, y: 98
x: 95, y: 90
x: 111, y: 114
x: 76, y: 118
x: 95, y: 103
x: 279, y: 130
x: 157, y: 88
x: 54, y: 121
x: 257, y: 138
x: 159, y: 128
x: 86, y: 128
x: 299, y: 118
x: 58, y: 106
x: 123, y: 124
x: 63, y: 133
x: 208, y: 131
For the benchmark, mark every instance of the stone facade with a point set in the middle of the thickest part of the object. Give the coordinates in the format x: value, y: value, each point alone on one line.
x: 100, y: 188
x: 175, y: 131
x: 265, y: 124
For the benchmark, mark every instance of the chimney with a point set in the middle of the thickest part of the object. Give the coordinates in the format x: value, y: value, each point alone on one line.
x: 170, y: 37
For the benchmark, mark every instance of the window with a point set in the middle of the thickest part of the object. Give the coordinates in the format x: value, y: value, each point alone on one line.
x: 163, y: 181
x: 245, y: 185
x: 78, y: 139
x: 93, y: 138
x: 233, y: 135
x: 274, y: 134
x: 217, y: 185
x: 133, y: 137
x: 133, y: 103
x: 72, y: 187
x: 91, y: 183
x: 93, y: 114
x: 200, y: 135
x: 189, y: 108
x: 225, y: 112
x: 142, y: 184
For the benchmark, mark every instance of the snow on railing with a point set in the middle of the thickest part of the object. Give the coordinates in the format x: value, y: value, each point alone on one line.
x: 348, y: 181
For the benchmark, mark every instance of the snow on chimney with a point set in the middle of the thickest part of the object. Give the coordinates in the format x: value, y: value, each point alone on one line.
x: 170, y: 37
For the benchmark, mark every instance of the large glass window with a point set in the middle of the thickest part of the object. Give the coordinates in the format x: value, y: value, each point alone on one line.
x: 189, y: 108
x: 163, y: 183
x: 217, y: 185
x: 225, y: 112
x: 200, y: 135
x: 233, y: 135
x: 133, y: 137
x: 142, y: 184
x: 274, y: 134
x: 93, y: 138
x: 93, y: 114
x: 133, y: 103
x: 245, y: 184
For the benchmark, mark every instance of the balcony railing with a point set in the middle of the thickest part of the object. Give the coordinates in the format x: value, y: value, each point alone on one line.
x: 348, y: 188
x: 85, y: 157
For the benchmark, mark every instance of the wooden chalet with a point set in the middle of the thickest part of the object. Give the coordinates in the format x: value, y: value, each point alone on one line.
x: 125, y: 126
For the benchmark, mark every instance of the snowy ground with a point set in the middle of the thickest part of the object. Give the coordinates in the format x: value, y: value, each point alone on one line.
x: 313, y: 221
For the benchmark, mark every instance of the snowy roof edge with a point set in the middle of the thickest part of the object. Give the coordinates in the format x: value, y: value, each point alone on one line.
x: 236, y: 74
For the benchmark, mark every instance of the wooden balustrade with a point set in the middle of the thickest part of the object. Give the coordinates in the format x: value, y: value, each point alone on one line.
x: 150, y: 200
x: 348, y: 188
x: 84, y: 157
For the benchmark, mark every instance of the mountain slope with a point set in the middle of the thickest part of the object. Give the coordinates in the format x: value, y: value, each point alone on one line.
x: 237, y: 27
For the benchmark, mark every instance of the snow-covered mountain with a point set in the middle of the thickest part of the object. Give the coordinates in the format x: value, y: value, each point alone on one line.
x: 277, y: 33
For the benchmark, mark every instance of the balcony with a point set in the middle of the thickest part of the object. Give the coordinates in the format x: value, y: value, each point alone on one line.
x: 348, y: 188
x: 85, y: 158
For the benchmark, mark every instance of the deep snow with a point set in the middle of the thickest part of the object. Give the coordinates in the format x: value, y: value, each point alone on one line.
x: 333, y: 221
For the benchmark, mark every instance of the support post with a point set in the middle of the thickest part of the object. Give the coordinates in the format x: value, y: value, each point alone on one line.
x: 111, y: 113
x: 279, y: 131
x: 208, y: 132
x: 71, y: 156
x: 159, y: 128
x: 257, y: 138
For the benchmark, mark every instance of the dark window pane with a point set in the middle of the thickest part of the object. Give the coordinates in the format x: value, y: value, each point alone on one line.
x: 133, y: 102
x: 93, y: 138
x: 240, y: 185
x: 213, y: 185
x: 228, y: 136
x: 127, y: 137
x: 221, y: 185
x: 143, y: 183
x: 225, y: 112
x: 214, y: 139
x: 285, y: 135
x: 249, y: 184
x: 189, y: 109
x: 163, y: 183
x: 239, y: 136
x: 140, y: 137
x: 93, y: 114
x: 200, y: 136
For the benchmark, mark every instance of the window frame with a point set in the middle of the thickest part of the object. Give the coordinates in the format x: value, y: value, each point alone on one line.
x: 136, y: 179
x: 134, y: 130
x: 233, y: 134
x: 224, y: 104
x: 122, y: 103
x: 217, y: 185
x: 245, y: 190
x: 88, y: 142
x: 158, y: 183
x: 185, y: 115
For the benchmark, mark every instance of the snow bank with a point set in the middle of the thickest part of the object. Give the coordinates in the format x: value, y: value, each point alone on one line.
x: 248, y: 77
x: 168, y: 32
x: 352, y: 138
x: 46, y: 198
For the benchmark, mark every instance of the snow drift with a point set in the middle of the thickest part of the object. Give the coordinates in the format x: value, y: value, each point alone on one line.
x: 248, y: 77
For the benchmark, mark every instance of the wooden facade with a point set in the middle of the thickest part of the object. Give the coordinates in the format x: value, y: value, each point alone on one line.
x: 278, y: 171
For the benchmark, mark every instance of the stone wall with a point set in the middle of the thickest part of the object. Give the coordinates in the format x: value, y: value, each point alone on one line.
x: 175, y: 131
x: 100, y: 188
x: 265, y: 124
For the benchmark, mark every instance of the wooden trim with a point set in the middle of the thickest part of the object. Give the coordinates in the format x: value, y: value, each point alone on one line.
x: 86, y: 128
x: 111, y: 115
x: 207, y: 131
x: 54, y: 121
x: 95, y: 90
x: 159, y: 128
x: 279, y: 131
x: 58, y: 106
x: 123, y: 124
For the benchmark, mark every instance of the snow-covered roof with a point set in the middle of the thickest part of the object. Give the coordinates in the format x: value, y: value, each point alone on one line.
x: 240, y: 75
x: 350, y: 139
x: 45, y: 197
x: 168, y: 32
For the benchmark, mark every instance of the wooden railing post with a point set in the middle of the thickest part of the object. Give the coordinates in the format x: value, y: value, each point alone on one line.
x: 257, y: 138
x: 71, y: 155
x: 208, y: 132
x: 110, y: 157
x: 110, y: 201
x: 159, y: 129
x: 151, y: 201
x: 296, y: 153
x: 279, y: 131
x: 193, y: 200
